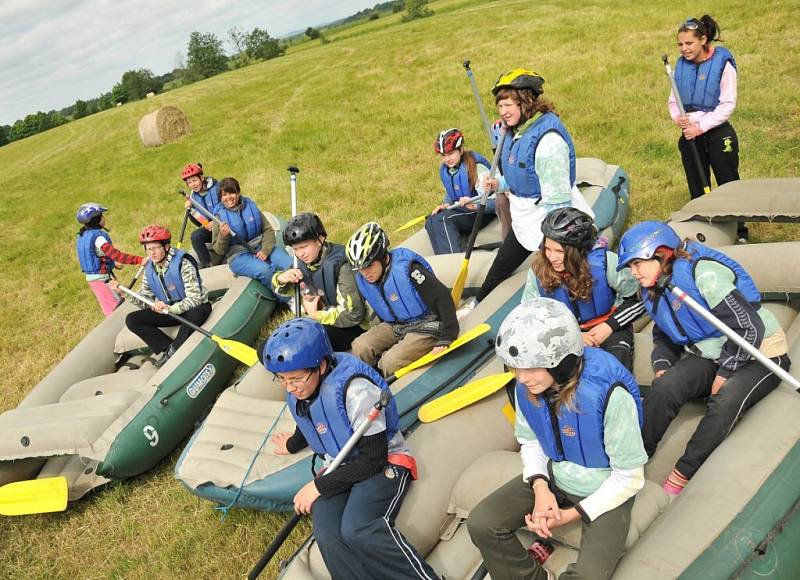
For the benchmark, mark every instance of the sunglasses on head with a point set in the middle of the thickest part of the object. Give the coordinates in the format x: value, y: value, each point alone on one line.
x: 692, y: 24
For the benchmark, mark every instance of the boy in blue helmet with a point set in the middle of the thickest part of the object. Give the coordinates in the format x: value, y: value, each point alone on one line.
x: 353, y: 507
x: 691, y: 358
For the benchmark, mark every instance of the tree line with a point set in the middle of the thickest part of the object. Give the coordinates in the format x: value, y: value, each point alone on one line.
x: 205, y: 57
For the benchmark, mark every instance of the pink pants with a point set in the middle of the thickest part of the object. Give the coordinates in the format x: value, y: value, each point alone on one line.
x: 108, y: 299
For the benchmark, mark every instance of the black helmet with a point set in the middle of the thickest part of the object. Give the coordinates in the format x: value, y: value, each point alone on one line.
x: 520, y: 78
x: 302, y: 227
x: 570, y: 226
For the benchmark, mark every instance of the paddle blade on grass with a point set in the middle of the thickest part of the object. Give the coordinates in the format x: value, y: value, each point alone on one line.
x: 36, y: 496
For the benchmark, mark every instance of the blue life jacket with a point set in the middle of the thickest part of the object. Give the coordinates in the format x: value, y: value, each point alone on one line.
x: 169, y: 287
x: 396, y: 298
x: 573, y: 436
x: 209, y: 199
x: 328, y: 427
x: 603, y: 295
x: 326, y: 276
x: 457, y: 186
x: 246, y: 220
x: 699, y: 84
x: 90, y: 262
x: 519, y: 168
x: 678, y: 321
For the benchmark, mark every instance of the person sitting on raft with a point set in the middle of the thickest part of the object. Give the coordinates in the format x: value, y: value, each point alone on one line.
x: 328, y: 285
x: 98, y: 257
x: 691, y: 358
x: 460, y: 171
x: 172, y: 281
x: 538, y: 167
x: 415, y: 309
x: 353, y: 507
x: 240, y: 216
x: 205, y: 191
x: 578, y: 420
x: 572, y: 268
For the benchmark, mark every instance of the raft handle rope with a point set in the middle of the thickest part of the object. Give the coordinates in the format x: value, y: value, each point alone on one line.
x: 226, y: 508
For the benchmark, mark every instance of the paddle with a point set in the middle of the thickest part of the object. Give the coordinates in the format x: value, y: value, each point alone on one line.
x: 422, y: 218
x: 486, y: 125
x: 138, y: 273
x: 293, y: 179
x: 463, y: 397
x: 237, y: 350
x: 724, y: 329
x: 179, y: 245
x: 214, y: 218
x: 35, y: 496
x: 287, y: 528
x: 692, y: 143
x: 461, y: 279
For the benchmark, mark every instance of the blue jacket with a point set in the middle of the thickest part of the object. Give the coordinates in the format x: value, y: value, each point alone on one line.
x: 327, y: 428
x: 90, y: 262
x: 457, y: 186
x: 169, y: 287
x: 603, y: 295
x: 578, y: 437
x: 519, y: 168
x: 326, y: 276
x: 246, y: 220
x: 396, y: 298
x: 209, y: 199
x: 678, y: 321
x: 699, y: 84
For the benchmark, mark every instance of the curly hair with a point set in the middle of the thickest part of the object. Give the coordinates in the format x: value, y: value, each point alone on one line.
x: 576, y: 277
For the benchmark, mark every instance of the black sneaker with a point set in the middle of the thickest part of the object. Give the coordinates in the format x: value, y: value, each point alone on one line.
x: 162, y: 360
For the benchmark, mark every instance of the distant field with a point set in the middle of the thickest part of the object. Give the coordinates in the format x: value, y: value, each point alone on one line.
x: 358, y: 116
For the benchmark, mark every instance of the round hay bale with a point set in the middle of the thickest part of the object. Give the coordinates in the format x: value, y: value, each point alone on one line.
x: 162, y: 126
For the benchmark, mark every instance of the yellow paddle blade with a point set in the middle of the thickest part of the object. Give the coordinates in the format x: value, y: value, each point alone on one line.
x: 429, y: 358
x: 509, y: 413
x: 463, y: 397
x: 458, y: 285
x: 237, y: 350
x: 36, y: 496
x: 412, y: 223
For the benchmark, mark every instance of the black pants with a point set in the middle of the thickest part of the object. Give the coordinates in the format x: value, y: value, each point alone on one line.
x: 620, y: 344
x: 145, y: 324
x: 201, y: 237
x: 509, y: 257
x: 445, y: 228
x: 691, y: 378
x: 341, y: 338
x: 718, y: 150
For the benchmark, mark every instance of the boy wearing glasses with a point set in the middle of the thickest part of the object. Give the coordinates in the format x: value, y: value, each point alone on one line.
x: 354, y: 507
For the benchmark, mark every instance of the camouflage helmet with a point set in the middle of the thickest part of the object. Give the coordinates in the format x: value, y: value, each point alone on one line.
x: 538, y: 334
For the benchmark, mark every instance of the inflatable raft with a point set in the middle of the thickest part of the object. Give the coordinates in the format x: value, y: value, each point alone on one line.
x: 107, y: 413
x: 736, y: 518
x: 229, y: 459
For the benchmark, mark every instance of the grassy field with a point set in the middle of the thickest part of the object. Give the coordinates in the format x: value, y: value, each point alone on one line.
x: 358, y: 116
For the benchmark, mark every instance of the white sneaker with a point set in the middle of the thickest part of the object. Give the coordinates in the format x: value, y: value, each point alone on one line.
x: 466, y: 309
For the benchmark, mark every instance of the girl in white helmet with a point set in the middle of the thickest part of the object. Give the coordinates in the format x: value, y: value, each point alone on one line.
x: 578, y: 420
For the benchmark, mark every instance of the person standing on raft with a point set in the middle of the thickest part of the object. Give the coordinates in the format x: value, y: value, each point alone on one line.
x: 538, y: 167
x: 578, y: 420
x: 98, y: 257
x: 172, y: 281
x: 691, y: 358
x: 706, y: 78
x: 573, y: 268
x: 354, y: 507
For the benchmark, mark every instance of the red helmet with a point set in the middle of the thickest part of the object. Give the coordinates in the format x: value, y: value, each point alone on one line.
x: 155, y: 233
x: 190, y: 170
x: 448, y: 140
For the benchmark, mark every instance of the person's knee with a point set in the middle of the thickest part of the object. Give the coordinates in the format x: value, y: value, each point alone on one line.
x: 480, y: 524
x: 359, y: 538
x: 326, y: 529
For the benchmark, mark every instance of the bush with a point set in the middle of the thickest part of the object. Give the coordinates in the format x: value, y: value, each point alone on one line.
x: 416, y: 9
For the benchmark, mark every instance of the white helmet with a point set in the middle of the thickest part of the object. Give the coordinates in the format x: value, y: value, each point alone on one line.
x: 538, y: 334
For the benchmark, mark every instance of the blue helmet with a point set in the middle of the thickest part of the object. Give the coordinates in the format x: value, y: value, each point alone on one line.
x: 88, y: 211
x: 300, y: 343
x: 642, y: 240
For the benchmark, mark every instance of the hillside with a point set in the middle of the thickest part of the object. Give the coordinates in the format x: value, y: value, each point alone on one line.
x: 358, y: 116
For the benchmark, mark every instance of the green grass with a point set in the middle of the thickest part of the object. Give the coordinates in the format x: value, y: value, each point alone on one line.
x: 358, y: 116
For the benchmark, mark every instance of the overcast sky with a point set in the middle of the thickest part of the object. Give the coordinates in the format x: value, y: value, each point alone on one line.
x: 53, y: 52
